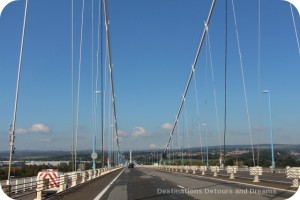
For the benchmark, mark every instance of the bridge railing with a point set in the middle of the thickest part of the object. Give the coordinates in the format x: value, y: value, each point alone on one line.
x: 21, y: 184
x: 69, y: 179
x: 293, y: 173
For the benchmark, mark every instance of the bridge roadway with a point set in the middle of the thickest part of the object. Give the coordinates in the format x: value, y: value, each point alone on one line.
x: 145, y: 183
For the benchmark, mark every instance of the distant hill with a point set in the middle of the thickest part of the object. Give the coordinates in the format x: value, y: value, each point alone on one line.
x: 85, y: 154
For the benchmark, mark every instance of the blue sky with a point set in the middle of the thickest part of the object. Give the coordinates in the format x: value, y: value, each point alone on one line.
x: 153, y: 46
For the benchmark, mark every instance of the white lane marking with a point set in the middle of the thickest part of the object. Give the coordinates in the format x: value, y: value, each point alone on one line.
x: 180, y: 186
x: 107, y: 187
x: 239, y: 183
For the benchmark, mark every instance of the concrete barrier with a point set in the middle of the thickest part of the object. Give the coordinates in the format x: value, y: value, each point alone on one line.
x: 215, y: 170
x: 83, y: 177
x: 203, y: 169
x: 90, y: 175
x: 232, y: 170
x: 181, y: 168
x: 186, y: 169
x: 293, y: 173
x: 74, y: 177
x: 98, y: 172
x: 194, y: 168
x: 62, y: 183
x: 256, y: 172
x: 41, y: 185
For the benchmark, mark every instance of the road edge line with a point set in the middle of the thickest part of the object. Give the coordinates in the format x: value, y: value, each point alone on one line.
x: 108, y: 186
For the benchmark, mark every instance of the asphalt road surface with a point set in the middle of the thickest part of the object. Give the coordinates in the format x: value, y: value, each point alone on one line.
x: 146, y: 184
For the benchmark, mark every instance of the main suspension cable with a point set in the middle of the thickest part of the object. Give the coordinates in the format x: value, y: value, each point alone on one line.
x: 13, y: 125
x: 111, y: 74
x: 190, y: 76
x: 295, y: 28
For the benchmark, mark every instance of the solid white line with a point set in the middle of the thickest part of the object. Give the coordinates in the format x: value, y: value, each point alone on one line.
x: 107, y: 187
x: 180, y: 186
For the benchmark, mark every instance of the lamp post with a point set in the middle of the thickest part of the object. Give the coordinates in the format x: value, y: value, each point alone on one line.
x: 94, y: 155
x: 271, y: 133
x: 206, y: 145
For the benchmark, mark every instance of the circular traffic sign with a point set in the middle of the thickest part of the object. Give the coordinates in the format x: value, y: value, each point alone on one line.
x: 94, y: 155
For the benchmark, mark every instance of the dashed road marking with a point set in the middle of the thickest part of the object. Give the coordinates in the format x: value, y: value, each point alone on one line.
x: 180, y: 186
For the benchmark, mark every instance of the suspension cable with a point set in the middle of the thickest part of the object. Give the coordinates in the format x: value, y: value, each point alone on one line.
x: 72, y: 83
x: 214, y: 89
x: 190, y: 76
x: 296, y: 33
x: 187, y: 131
x: 94, y: 89
x: 100, y: 52
x: 258, y: 80
x: 198, y: 115
x: 102, y: 82
x: 244, y: 84
x: 225, y: 81
x: 13, y: 125
x: 79, y: 83
x: 92, y: 70
x: 111, y: 74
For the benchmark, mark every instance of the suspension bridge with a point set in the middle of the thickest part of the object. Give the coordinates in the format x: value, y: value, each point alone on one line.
x: 217, y: 98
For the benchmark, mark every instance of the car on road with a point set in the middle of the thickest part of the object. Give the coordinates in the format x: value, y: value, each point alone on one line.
x: 130, y: 165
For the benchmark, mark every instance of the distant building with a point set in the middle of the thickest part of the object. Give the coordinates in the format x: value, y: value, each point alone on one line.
x: 238, y: 152
x: 52, y: 163
x: 294, y: 153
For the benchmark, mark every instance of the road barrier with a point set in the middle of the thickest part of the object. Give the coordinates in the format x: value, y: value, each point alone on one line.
x: 194, y: 168
x: 231, y: 170
x: 62, y: 183
x: 186, y: 169
x: 41, y: 185
x: 293, y: 173
x: 203, y: 169
x: 256, y: 172
x: 74, y: 178
x: 215, y: 170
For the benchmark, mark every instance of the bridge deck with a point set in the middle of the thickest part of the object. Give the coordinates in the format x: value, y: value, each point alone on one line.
x: 147, y: 183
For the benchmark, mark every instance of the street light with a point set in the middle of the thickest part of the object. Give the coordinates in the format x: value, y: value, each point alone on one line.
x: 94, y: 155
x: 271, y: 133
x: 206, y: 145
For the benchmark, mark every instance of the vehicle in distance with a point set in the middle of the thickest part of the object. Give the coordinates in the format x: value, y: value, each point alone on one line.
x: 130, y: 165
